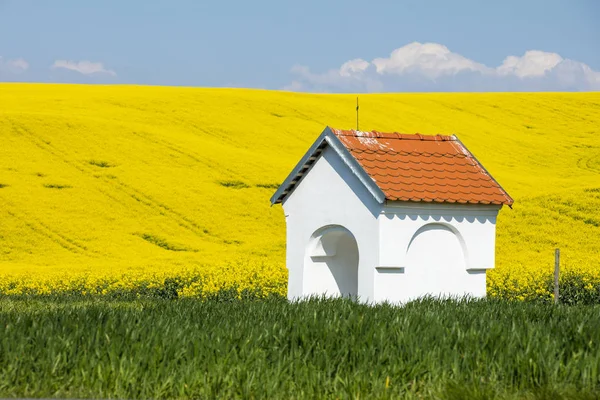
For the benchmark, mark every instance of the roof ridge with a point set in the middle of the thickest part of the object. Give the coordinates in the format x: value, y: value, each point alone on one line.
x: 438, y: 137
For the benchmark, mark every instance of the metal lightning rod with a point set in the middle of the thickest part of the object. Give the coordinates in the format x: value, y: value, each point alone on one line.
x: 357, y: 113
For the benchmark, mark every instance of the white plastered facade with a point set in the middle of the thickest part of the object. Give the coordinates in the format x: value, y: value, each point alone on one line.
x: 342, y: 241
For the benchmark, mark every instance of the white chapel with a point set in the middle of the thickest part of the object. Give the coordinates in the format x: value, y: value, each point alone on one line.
x: 389, y: 217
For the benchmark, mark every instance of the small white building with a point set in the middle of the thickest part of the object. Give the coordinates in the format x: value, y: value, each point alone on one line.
x: 389, y: 217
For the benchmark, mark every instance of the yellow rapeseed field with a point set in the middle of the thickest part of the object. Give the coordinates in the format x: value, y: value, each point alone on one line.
x: 106, y: 189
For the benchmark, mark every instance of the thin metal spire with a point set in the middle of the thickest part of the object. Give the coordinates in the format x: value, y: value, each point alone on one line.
x: 356, y: 112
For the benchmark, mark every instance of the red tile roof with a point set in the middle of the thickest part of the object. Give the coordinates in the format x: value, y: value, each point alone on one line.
x: 423, y: 168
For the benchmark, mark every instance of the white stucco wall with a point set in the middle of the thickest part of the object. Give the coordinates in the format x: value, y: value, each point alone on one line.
x: 330, y: 195
x: 436, y: 249
x: 404, y: 250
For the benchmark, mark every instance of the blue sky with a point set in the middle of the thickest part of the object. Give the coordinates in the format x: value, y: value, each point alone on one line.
x: 323, y: 46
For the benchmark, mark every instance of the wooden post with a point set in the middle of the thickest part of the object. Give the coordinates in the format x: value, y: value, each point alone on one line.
x: 556, y: 272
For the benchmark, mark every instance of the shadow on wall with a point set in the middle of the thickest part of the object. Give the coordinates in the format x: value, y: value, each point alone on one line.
x: 331, y: 263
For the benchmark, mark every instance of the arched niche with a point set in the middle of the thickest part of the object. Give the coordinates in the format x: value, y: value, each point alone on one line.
x: 436, y: 260
x: 331, y: 263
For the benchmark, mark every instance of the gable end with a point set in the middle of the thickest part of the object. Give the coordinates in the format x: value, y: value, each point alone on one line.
x: 327, y: 138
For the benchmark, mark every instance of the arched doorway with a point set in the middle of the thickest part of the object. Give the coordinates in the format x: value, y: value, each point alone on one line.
x: 331, y: 263
x: 435, y: 262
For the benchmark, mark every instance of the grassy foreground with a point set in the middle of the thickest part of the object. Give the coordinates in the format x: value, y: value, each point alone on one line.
x: 109, y: 189
x: 317, y: 349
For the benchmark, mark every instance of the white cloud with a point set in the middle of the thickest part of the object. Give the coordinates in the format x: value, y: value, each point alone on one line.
x: 593, y: 77
x: 433, y: 67
x: 351, y: 76
x: 532, y: 63
x: 353, y: 67
x: 295, y: 86
x: 84, y: 67
x: 13, y: 66
x: 430, y: 59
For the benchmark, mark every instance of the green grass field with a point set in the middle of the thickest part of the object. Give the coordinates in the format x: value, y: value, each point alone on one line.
x: 225, y: 348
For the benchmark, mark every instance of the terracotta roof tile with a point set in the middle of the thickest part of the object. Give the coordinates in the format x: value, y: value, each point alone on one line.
x: 430, y: 168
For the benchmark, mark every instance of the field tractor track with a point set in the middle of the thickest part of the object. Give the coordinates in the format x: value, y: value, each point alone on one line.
x: 42, y: 229
x: 161, y: 142
x: 590, y: 162
x: 130, y: 191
